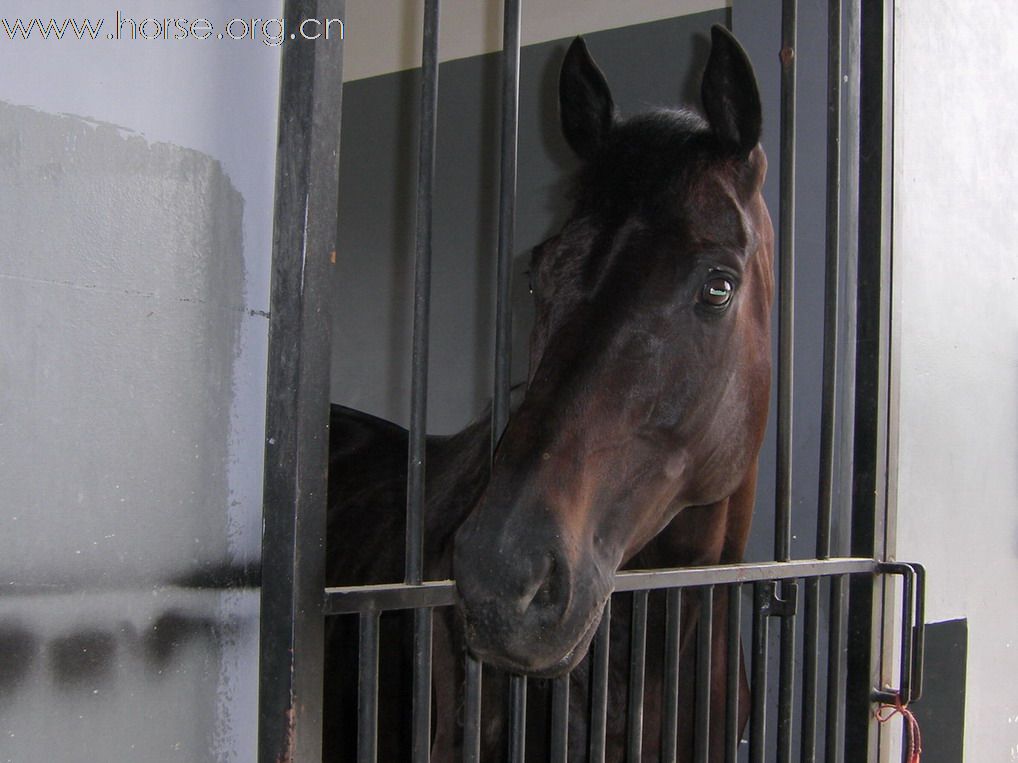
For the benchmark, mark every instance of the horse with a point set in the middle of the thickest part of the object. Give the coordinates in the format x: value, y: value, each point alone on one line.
x: 634, y: 445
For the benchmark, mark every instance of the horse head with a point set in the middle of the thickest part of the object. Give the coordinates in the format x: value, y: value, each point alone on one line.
x: 650, y: 362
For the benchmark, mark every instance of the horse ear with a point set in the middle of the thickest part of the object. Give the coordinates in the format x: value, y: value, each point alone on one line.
x: 730, y: 95
x: 585, y: 102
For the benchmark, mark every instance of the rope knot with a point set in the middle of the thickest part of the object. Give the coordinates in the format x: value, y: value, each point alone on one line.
x: 885, y: 712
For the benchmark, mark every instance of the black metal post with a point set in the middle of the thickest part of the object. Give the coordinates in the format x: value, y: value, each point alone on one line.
x: 367, y: 692
x: 637, y: 664
x: 416, y: 456
x: 704, y: 639
x: 599, y: 692
x: 869, y: 499
x: 560, y: 720
x: 673, y: 633
x: 762, y: 595
x: 506, y: 216
x: 297, y: 396
x: 472, y: 711
x: 734, y: 672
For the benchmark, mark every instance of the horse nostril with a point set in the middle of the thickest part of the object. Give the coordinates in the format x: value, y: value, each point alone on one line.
x: 548, y: 594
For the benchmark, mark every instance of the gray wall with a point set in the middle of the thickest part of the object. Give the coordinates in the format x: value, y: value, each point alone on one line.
x: 136, y: 182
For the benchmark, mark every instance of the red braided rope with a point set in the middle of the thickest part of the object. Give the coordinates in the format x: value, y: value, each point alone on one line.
x: 886, y: 712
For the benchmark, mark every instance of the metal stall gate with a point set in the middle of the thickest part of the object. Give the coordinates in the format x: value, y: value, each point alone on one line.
x: 826, y: 688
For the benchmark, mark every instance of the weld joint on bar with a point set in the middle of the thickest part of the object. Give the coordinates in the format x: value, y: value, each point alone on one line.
x: 784, y: 605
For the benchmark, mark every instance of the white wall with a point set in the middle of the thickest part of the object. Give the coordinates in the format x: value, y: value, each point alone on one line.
x: 136, y: 190
x: 956, y: 295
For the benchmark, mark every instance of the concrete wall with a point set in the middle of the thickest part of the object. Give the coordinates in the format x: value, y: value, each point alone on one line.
x: 136, y: 184
x: 956, y: 295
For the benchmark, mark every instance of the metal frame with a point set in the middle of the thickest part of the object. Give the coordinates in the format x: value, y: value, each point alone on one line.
x: 853, y: 440
x: 297, y: 402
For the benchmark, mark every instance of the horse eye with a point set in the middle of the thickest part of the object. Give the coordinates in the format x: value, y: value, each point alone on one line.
x: 717, y: 292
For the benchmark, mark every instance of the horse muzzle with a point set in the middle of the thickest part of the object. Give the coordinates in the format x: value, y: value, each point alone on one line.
x: 525, y: 606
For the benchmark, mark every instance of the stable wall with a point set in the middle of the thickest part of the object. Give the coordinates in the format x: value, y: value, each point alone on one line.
x: 956, y: 335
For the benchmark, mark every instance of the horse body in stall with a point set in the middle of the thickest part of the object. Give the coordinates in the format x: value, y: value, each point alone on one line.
x: 634, y: 445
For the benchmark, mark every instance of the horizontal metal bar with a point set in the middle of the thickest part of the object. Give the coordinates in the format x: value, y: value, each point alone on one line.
x: 389, y: 596
x: 442, y: 593
x: 724, y: 574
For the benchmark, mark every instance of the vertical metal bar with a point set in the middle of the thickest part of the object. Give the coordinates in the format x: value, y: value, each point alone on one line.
x: 472, y: 711
x: 762, y: 594
x: 367, y: 692
x: 810, y: 671
x: 831, y: 281
x: 786, y: 364
x: 291, y: 628
x: 670, y: 722
x: 506, y: 216
x: 786, y: 675
x: 828, y: 413
x: 422, y: 297
x: 734, y: 671
x: 871, y: 532
x: 421, y: 743
x: 560, y: 720
x: 637, y: 663
x: 416, y: 456
x: 704, y: 638
x: 599, y: 693
x: 517, y: 719
x: 786, y: 272
x: 835, y: 670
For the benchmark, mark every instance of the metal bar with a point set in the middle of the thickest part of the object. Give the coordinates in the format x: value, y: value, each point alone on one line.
x: 637, y: 664
x: 517, y: 719
x: 831, y: 374
x: 704, y: 637
x: 786, y: 291
x: 734, y: 672
x: 422, y: 298
x: 367, y: 692
x: 438, y: 593
x: 810, y: 671
x: 786, y: 675
x: 920, y: 635
x: 506, y: 217
x: 291, y: 632
x: 599, y: 692
x: 762, y: 595
x: 560, y: 719
x: 421, y: 744
x: 832, y: 275
x: 670, y: 721
x: 472, y: 711
x: 834, y: 737
x: 870, y: 530
x: 742, y: 573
